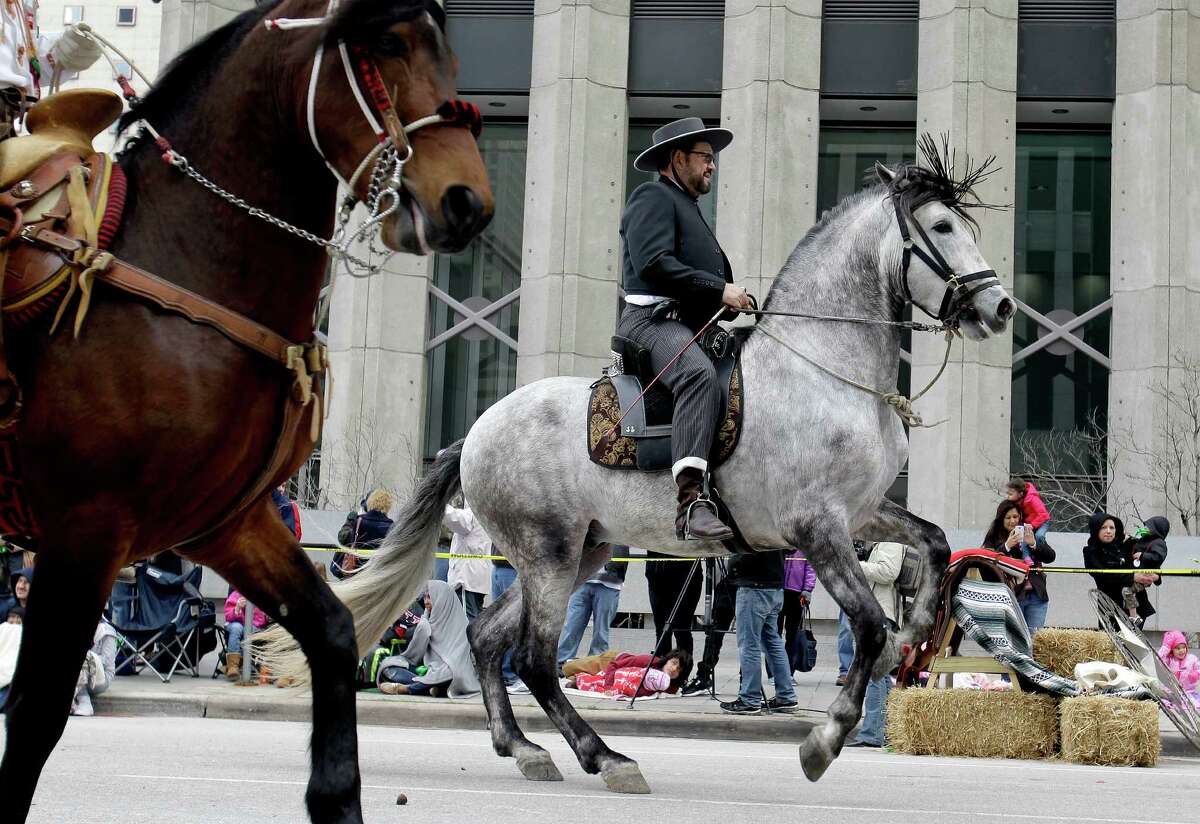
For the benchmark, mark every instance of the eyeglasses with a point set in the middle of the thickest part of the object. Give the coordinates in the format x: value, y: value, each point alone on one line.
x: 709, y: 157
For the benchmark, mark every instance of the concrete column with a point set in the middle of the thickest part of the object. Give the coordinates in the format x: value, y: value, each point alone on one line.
x: 377, y: 326
x: 574, y: 187
x: 967, y: 81
x: 186, y: 21
x: 770, y: 100
x: 1155, y: 250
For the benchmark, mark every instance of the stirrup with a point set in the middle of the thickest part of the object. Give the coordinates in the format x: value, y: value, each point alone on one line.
x: 685, y: 533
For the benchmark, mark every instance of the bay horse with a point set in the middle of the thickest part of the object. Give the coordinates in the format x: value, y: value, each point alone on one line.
x: 815, y: 459
x: 147, y: 431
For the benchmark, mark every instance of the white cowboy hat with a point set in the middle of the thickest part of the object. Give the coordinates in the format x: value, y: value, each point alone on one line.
x: 684, y: 131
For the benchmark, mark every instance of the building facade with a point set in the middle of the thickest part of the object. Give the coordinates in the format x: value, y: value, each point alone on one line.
x: 1088, y: 106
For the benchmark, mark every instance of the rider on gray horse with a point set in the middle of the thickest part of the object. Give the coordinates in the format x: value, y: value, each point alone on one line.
x: 676, y: 277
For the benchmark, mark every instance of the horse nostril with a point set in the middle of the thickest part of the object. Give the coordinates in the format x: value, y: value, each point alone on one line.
x: 1005, y: 309
x: 462, y: 209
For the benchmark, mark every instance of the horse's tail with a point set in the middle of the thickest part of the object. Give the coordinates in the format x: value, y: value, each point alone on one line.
x: 391, y: 579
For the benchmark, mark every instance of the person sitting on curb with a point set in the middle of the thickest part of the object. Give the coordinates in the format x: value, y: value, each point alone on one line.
x: 235, y: 629
x: 759, y: 579
x: 99, y: 669
x: 439, y: 647
x: 882, y: 568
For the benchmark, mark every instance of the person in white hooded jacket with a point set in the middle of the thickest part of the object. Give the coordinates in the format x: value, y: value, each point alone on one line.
x: 471, y: 578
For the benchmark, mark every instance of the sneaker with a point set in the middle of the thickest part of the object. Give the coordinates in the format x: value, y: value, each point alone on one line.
x: 82, y: 704
x: 517, y: 688
x: 696, y: 687
x: 841, y: 681
x: 392, y: 688
x: 860, y: 743
x: 779, y: 705
x: 740, y: 707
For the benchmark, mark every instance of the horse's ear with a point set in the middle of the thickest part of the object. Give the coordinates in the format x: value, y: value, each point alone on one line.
x: 884, y: 174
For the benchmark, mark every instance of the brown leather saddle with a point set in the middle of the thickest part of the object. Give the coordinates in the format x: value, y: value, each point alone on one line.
x: 629, y: 429
x: 59, y: 210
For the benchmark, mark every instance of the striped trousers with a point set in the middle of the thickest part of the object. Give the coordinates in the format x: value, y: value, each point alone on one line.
x: 692, y: 380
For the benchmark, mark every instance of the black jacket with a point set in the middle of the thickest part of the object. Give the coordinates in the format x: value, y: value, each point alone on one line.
x: 670, y: 251
x: 1041, y: 553
x: 1154, y: 546
x: 1113, y: 555
x: 760, y: 570
x: 614, y: 571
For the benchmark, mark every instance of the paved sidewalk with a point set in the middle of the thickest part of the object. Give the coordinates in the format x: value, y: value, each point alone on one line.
x: 676, y: 717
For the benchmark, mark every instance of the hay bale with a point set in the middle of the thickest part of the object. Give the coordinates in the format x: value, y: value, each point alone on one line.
x: 974, y: 723
x: 1059, y: 650
x: 1115, y: 732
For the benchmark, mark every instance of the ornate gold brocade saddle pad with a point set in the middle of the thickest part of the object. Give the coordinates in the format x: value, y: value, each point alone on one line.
x: 642, y: 441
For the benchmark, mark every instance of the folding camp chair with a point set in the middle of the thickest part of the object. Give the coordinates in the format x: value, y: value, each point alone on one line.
x: 162, y: 623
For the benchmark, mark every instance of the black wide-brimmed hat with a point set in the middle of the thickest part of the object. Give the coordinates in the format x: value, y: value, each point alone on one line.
x: 680, y: 132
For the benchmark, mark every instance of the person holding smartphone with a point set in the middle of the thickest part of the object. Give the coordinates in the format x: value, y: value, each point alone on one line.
x: 1009, y: 535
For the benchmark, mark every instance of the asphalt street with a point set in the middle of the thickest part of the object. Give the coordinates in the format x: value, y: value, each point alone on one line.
x: 111, y: 769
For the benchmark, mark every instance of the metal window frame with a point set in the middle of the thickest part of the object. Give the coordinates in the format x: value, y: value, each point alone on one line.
x: 1064, y: 332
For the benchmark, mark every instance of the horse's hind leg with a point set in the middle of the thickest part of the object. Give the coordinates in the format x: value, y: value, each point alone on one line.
x: 536, y: 660
x: 491, y: 635
x: 65, y: 599
x: 894, y: 523
x: 830, y: 551
x: 263, y: 560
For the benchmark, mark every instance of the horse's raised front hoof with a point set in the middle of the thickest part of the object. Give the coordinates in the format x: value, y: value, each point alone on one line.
x: 538, y: 767
x: 815, y: 756
x: 625, y: 778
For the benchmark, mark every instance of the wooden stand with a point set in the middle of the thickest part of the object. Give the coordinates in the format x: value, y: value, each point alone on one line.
x: 947, y: 661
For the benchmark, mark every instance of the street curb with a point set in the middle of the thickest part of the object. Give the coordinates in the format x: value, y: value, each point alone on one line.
x: 391, y: 711
x: 447, y: 714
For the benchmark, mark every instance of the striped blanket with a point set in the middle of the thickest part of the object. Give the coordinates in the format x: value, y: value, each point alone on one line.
x: 988, y: 613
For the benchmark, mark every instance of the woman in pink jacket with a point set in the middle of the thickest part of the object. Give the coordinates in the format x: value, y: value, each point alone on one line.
x: 235, y: 627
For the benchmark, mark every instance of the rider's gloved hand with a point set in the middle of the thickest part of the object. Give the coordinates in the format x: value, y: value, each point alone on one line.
x: 735, y: 297
x: 74, y: 51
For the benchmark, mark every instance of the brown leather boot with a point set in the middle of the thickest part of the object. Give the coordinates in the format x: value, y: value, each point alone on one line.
x: 233, y: 665
x: 696, y: 518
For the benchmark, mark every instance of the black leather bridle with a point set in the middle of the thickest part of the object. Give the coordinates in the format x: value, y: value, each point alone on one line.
x: 959, y: 288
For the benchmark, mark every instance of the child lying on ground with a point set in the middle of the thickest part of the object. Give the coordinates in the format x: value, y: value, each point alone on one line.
x: 619, y: 673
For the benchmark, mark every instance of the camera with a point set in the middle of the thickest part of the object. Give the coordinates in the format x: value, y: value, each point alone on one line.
x: 863, y: 550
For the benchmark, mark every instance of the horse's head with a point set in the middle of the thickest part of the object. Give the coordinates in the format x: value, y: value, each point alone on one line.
x: 385, y: 77
x: 941, y: 268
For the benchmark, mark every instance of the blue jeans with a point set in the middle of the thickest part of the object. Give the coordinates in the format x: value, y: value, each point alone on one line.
x: 845, y: 644
x: 1039, y: 534
x: 502, y: 579
x: 758, y: 633
x: 874, y: 720
x: 235, y: 630
x: 595, y: 601
x: 1034, y: 610
x: 441, y: 568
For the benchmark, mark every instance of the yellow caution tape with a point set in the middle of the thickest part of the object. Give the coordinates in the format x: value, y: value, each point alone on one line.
x: 641, y: 560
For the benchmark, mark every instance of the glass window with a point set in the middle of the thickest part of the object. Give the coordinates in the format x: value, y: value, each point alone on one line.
x: 473, y: 368
x: 1061, y: 267
x: 72, y: 14
x: 845, y: 156
x: 126, y: 15
x: 641, y: 136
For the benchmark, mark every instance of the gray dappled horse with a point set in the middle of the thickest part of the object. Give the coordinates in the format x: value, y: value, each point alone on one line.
x: 815, y: 458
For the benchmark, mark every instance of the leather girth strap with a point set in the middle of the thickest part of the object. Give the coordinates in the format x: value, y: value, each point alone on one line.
x: 306, y: 361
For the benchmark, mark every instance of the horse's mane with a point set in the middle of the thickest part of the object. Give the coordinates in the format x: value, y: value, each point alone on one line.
x: 913, y: 186
x: 194, y: 68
